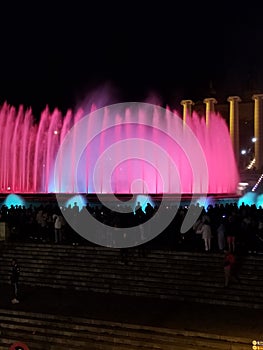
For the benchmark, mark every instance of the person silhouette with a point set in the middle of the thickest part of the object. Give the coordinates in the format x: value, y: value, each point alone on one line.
x: 14, y: 278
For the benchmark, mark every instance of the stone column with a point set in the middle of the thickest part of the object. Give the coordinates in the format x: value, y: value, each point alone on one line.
x: 187, y: 111
x: 258, y: 130
x: 210, y: 108
x: 234, y: 124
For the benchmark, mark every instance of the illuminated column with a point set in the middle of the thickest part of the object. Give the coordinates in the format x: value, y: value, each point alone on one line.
x: 210, y: 108
x: 187, y: 111
x: 258, y: 130
x: 234, y: 124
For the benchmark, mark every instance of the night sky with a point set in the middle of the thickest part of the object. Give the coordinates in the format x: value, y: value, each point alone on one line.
x: 59, y: 55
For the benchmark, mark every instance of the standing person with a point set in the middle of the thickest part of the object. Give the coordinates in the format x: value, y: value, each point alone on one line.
x: 57, y: 228
x: 15, y: 274
x: 139, y: 213
x: 221, y: 240
x: 198, y: 237
x: 230, y: 268
x: 231, y: 232
x: 206, y: 232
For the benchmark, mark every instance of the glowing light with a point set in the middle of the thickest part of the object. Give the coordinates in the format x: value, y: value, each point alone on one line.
x: 251, y: 164
x: 143, y: 199
x: 243, y: 151
x: 78, y: 199
x: 14, y: 199
x: 254, y: 139
x: 249, y: 198
x: 260, y: 201
x: 243, y: 184
x: 31, y: 168
x: 204, y: 202
x: 257, y: 183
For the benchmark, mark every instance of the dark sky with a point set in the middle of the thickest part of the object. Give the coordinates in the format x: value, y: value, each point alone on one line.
x: 57, y: 55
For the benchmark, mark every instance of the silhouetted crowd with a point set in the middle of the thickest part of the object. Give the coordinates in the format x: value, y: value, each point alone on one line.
x: 220, y: 227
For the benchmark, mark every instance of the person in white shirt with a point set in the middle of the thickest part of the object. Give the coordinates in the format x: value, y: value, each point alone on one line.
x: 205, y: 230
x: 57, y: 228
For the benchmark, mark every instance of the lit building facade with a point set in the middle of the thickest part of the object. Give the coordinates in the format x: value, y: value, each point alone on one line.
x: 244, y: 118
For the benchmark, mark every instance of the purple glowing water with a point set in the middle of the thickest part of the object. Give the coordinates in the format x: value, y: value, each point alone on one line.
x: 28, y: 151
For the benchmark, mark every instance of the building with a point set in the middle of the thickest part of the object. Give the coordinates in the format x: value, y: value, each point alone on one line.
x: 244, y: 117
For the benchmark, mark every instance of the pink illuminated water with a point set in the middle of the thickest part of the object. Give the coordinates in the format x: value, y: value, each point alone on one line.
x: 28, y: 151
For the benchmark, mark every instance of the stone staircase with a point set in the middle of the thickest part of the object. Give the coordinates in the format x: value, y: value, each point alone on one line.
x: 49, y: 332
x: 181, y: 276
x: 166, y: 275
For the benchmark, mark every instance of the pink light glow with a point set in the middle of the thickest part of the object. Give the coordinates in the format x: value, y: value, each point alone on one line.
x: 28, y: 151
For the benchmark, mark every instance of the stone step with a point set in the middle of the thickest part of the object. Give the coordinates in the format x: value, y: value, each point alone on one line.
x: 196, y: 296
x: 232, y: 297
x: 131, y: 264
x: 136, y: 264
x: 89, y: 271
x: 182, y: 276
x: 90, y: 277
x: 117, y: 268
x: 162, y: 260
x: 248, y: 282
x: 157, y: 287
x: 65, y: 250
x: 171, y: 255
x: 65, y: 272
x: 207, y: 261
x: 60, y: 343
x: 56, y: 332
x: 181, y: 295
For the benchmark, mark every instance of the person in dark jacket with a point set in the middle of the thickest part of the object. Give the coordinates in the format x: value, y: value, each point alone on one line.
x: 15, y: 274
